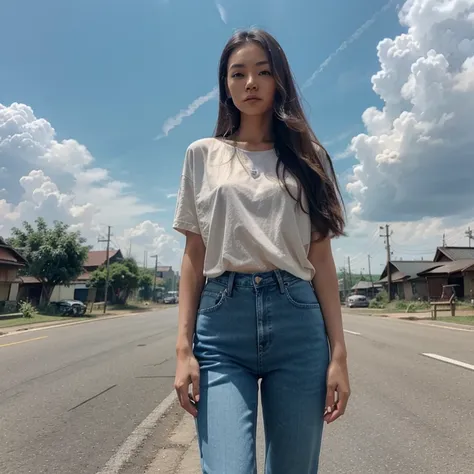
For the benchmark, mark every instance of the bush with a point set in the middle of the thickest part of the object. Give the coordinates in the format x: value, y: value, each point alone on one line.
x: 376, y: 304
x: 380, y: 301
x: 27, y: 309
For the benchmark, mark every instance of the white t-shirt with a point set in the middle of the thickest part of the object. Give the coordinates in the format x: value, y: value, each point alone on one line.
x: 248, y: 221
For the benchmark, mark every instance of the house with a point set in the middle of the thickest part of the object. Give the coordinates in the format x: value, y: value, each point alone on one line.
x: 165, y: 272
x: 95, y: 260
x: 366, y: 288
x: 30, y: 287
x: 10, y: 262
x: 98, y: 258
x: 455, y: 267
x: 407, y: 284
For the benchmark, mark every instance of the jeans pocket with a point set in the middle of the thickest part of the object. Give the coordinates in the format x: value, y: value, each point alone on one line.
x: 301, y: 294
x: 211, y: 301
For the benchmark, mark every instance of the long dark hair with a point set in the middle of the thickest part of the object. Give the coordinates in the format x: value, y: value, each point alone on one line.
x: 299, y: 151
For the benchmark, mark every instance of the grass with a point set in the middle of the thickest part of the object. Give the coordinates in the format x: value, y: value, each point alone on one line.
x: 39, y: 318
x: 469, y: 320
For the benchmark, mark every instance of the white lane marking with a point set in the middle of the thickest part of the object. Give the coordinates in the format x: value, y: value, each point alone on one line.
x: 141, y: 432
x: 449, y: 361
x: 352, y: 332
x: 443, y: 327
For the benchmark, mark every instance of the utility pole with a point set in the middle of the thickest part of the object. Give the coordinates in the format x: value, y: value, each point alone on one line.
x: 107, y: 278
x: 350, y: 274
x: 444, y: 240
x: 154, y: 278
x: 370, y: 271
x: 370, y: 275
x: 469, y: 235
x: 386, y: 236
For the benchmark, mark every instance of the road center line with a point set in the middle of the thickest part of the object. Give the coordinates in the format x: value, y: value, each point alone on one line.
x: 449, y: 361
x: 21, y: 342
x: 352, y: 332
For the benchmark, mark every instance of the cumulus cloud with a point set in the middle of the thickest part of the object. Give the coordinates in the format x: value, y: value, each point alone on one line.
x: 416, y: 159
x: 191, y: 109
x: 57, y: 180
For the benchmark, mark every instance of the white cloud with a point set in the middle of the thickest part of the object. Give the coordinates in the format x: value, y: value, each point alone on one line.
x: 355, y: 36
x: 416, y: 159
x: 57, y: 180
x: 222, y: 12
x: 153, y: 238
x: 191, y: 109
x: 172, y: 195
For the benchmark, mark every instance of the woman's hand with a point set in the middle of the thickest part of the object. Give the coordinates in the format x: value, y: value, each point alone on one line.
x: 337, y: 383
x: 187, y: 372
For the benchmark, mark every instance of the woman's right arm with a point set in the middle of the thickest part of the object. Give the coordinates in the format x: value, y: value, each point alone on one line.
x: 190, y: 288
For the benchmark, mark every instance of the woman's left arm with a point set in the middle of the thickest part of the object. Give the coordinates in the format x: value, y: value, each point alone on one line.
x: 326, y: 285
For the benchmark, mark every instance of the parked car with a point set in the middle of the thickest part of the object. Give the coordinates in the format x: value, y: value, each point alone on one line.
x: 357, y: 301
x: 171, y: 298
x: 71, y: 307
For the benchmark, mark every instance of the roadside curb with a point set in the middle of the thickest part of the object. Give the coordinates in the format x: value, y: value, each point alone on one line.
x: 8, y: 331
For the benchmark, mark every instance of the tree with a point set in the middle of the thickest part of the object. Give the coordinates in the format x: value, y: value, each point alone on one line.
x: 55, y: 255
x: 124, y: 278
x: 145, y: 282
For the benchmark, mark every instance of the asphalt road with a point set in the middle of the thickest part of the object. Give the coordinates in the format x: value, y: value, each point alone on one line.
x: 71, y: 396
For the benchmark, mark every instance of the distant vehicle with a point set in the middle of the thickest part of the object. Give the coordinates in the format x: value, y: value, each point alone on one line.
x: 171, y: 298
x: 357, y: 301
x: 71, y: 307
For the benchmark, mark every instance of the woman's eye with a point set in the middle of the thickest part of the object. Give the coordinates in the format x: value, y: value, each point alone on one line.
x: 237, y: 74
x: 266, y: 73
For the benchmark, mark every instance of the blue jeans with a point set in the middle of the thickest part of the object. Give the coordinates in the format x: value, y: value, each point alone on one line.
x: 264, y: 326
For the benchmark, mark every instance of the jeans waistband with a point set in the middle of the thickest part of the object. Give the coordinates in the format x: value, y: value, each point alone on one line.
x: 255, y: 280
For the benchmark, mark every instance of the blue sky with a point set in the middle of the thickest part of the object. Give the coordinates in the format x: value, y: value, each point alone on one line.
x: 109, y: 74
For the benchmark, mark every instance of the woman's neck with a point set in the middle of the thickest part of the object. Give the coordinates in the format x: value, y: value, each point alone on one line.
x: 255, y: 130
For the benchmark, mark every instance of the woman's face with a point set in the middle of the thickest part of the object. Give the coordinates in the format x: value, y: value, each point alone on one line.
x: 250, y: 82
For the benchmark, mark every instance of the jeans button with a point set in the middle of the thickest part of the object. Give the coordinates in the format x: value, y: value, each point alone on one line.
x: 258, y: 280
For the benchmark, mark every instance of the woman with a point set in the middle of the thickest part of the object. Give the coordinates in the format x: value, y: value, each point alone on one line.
x: 258, y: 204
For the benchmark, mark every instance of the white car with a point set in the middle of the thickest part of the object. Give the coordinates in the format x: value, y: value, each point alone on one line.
x: 357, y: 301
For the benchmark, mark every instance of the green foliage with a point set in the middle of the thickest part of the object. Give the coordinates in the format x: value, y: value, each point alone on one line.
x: 145, y: 279
x: 380, y: 301
x: 145, y: 283
x: 27, y: 309
x: 55, y: 255
x: 411, y: 306
x: 124, y: 278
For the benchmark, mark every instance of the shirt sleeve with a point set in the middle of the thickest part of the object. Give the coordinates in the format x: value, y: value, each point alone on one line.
x: 185, y: 218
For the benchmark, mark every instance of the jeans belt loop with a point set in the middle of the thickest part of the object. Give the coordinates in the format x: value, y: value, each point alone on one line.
x: 230, y: 284
x: 279, y: 278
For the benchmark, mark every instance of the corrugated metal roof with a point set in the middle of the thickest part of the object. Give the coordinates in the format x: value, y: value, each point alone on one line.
x: 412, y: 268
x: 364, y: 285
x: 452, y: 267
x: 457, y: 253
x: 396, y: 277
x: 407, y: 270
